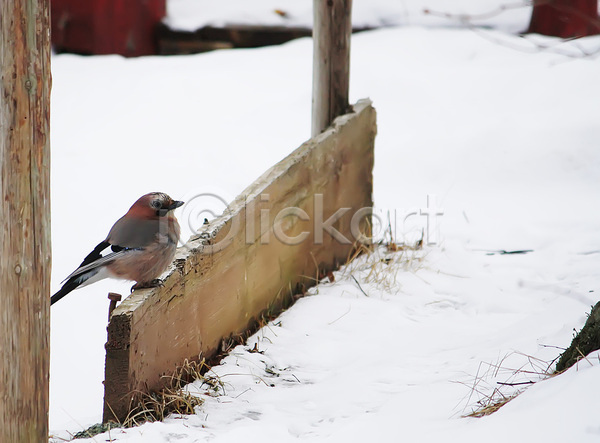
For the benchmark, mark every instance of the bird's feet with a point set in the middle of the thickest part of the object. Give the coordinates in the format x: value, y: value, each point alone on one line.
x: 149, y: 284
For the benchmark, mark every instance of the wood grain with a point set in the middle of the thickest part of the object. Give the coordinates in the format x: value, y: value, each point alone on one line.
x: 331, y: 61
x: 25, y: 218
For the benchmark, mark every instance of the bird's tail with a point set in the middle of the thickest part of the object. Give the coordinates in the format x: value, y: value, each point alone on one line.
x: 69, y: 285
x: 78, y: 281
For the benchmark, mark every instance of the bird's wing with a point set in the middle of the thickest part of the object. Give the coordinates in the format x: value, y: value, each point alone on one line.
x: 88, y: 265
x: 129, y: 232
x: 95, y: 254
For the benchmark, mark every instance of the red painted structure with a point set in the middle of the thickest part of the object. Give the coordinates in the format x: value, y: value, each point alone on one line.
x: 126, y: 27
x: 565, y: 18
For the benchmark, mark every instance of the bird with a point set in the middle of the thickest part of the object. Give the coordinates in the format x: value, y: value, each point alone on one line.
x: 142, y: 244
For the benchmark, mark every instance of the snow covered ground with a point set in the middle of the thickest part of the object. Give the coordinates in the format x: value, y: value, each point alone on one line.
x: 190, y: 15
x: 505, y: 141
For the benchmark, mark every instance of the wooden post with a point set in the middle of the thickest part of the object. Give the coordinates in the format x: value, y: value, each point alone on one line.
x: 24, y: 219
x: 332, y: 28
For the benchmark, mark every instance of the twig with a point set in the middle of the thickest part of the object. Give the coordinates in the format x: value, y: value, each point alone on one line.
x: 359, y: 286
x: 466, y: 18
x: 467, y: 21
x: 583, y: 357
x: 343, y: 315
x: 515, y: 384
x: 553, y: 346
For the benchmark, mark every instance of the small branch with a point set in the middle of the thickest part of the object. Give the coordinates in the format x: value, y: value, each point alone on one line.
x: 359, y: 286
x: 468, y: 21
x: 515, y: 384
x: 553, y: 346
x: 504, y: 252
x: 583, y: 357
x: 467, y: 18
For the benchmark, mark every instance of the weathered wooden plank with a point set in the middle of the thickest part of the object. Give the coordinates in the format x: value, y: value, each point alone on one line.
x: 24, y: 220
x: 332, y: 29
x: 248, y: 259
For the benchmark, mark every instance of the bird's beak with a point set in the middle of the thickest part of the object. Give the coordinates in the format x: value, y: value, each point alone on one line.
x: 175, y: 205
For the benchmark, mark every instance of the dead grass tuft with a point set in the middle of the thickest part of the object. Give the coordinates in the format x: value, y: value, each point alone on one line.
x: 496, y: 384
x: 381, y: 264
x: 172, y: 399
x: 491, y: 407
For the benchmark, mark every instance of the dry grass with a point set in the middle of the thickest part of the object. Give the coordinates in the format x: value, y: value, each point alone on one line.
x: 491, y: 407
x: 172, y: 399
x: 381, y: 264
x: 496, y: 384
x: 156, y: 406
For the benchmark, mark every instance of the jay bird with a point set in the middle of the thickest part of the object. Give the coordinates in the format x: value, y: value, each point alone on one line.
x: 143, y: 243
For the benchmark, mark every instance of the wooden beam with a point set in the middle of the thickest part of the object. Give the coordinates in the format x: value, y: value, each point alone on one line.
x: 332, y: 28
x: 300, y: 219
x: 24, y: 219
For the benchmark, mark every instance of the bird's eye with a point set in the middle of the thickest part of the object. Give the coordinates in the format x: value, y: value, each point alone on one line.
x: 156, y: 204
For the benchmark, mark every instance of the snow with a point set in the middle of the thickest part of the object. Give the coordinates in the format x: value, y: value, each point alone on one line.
x: 190, y: 15
x: 504, y: 141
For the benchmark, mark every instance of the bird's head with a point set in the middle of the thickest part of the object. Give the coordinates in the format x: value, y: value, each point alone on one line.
x: 154, y: 204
